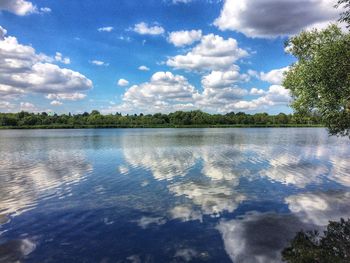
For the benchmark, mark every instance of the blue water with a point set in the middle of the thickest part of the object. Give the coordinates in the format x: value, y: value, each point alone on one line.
x: 166, y: 195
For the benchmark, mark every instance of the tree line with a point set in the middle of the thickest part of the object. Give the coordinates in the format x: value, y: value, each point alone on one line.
x: 175, y: 119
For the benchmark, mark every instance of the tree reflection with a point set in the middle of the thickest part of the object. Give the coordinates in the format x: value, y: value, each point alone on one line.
x: 310, y: 247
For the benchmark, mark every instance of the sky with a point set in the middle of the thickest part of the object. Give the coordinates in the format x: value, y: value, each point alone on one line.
x: 150, y: 56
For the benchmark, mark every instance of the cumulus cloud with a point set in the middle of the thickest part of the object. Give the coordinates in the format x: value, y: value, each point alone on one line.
x: 56, y: 103
x: 145, y: 29
x: 3, y: 33
x: 66, y: 96
x: 164, y: 92
x: 162, y: 89
x: 184, y: 37
x: 105, y: 29
x: 99, y: 63
x: 219, y: 79
x: 255, y: 91
x: 18, y: 7
x: 167, y: 92
x: 27, y: 106
x: 219, y: 89
x: 272, y: 18
x: 21, y: 7
x: 59, y: 58
x: 274, y: 76
x: 275, y: 95
x: 123, y: 82
x: 212, y: 53
x: 143, y: 68
x: 45, y: 10
x: 22, y: 70
x: 6, y: 106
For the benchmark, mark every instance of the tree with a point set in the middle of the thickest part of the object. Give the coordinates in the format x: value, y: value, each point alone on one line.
x: 320, y: 79
x: 345, y: 16
x: 310, y: 247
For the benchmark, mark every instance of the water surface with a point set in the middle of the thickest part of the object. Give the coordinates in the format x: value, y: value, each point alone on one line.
x: 166, y: 195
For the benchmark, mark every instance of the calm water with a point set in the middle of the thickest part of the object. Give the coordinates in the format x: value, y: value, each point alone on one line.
x: 166, y: 195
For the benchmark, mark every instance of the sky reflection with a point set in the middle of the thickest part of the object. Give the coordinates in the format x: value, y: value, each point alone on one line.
x: 195, y: 194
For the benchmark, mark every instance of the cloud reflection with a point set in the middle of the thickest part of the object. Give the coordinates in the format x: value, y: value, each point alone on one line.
x: 258, y: 238
x: 207, y: 168
x: 27, y: 179
x: 16, y: 250
x: 320, y: 208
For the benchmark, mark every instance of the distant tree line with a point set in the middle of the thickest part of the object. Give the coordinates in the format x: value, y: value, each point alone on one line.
x: 175, y: 119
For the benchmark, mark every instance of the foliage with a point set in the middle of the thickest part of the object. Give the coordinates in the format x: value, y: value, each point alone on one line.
x: 310, y: 247
x: 320, y: 79
x: 345, y: 16
x: 175, y: 119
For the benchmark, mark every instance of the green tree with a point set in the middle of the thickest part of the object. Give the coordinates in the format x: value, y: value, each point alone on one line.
x: 320, y: 79
x: 345, y: 16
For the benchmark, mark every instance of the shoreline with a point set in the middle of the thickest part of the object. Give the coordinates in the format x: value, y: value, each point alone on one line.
x: 71, y: 127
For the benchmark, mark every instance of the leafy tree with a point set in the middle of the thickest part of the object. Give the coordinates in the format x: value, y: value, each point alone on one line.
x: 197, y: 118
x: 345, y: 16
x: 320, y: 79
x: 310, y: 247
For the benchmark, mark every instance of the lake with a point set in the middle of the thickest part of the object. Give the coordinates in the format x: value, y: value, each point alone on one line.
x: 167, y: 195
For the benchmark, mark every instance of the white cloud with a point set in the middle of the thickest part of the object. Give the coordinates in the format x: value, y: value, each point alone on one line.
x: 60, y: 58
x: 27, y: 106
x: 143, y: 68
x: 184, y: 37
x: 218, y: 100
x: 3, y: 33
x: 275, y: 95
x: 219, y: 90
x: 212, y: 53
x: 99, y: 63
x: 219, y: 79
x: 22, y: 7
x: 105, y: 29
x: 66, y: 96
x: 274, y: 76
x: 123, y: 82
x: 56, y: 103
x: 162, y: 88
x: 22, y: 70
x: 144, y: 29
x: 18, y: 7
x: 182, y: 1
x: 272, y: 18
x: 255, y: 91
x: 45, y: 10
x: 164, y: 92
x: 5, y: 105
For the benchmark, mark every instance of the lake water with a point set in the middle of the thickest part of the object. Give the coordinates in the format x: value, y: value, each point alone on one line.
x: 166, y: 195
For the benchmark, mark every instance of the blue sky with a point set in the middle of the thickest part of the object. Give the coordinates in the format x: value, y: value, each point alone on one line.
x: 150, y: 56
